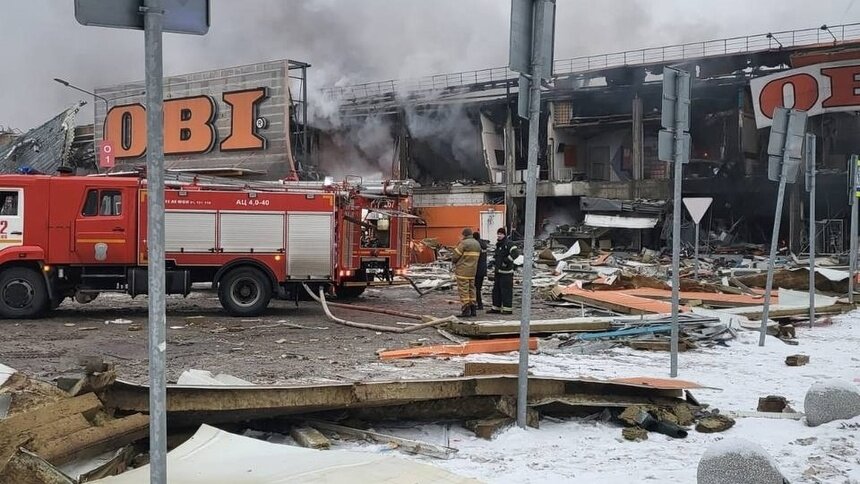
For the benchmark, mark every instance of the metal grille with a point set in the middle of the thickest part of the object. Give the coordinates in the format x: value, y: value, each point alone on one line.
x: 189, y: 231
x: 252, y: 232
x: 309, y: 245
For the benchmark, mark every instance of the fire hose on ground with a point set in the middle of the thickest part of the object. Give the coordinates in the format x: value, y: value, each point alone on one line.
x: 375, y: 327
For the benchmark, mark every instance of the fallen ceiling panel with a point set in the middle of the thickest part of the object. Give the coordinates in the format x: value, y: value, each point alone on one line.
x: 618, y: 222
x: 214, y: 456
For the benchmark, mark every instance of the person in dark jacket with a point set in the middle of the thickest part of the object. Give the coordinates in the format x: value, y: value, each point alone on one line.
x: 481, y: 273
x: 503, y: 282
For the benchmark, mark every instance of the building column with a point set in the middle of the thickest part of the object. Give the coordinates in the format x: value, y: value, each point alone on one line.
x: 510, y: 169
x: 638, y: 143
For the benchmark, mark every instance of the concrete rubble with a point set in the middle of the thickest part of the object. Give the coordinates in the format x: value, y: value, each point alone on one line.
x: 831, y: 400
x: 737, y: 461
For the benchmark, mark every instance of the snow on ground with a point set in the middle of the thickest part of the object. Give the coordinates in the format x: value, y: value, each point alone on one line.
x: 577, y: 451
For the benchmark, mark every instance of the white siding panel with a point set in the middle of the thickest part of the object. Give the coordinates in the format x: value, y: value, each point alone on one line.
x: 189, y: 231
x: 309, y: 246
x: 252, y: 232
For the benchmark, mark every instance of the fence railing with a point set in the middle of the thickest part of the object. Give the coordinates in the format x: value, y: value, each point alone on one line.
x: 673, y: 53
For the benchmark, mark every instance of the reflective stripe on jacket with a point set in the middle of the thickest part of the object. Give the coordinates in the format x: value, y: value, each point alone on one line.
x: 506, y: 254
x: 466, y: 257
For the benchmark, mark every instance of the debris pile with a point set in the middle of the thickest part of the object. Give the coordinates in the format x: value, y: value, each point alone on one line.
x: 101, y: 432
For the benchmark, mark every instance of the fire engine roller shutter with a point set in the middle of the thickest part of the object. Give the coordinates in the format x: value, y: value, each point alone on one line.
x: 190, y: 231
x: 309, y: 245
x: 252, y: 232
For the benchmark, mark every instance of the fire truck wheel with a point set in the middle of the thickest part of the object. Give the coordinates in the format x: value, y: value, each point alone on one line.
x: 245, y: 291
x: 22, y: 293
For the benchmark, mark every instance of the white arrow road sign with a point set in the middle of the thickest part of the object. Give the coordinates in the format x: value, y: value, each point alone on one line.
x: 697, y: 206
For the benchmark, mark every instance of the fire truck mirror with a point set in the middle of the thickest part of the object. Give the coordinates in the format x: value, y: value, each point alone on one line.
x: 10, y: 203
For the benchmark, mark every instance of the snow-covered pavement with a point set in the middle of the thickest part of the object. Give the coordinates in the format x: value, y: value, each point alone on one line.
x: 589, y: 452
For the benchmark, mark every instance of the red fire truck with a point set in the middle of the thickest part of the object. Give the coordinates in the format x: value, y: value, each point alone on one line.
x: 77, y: 236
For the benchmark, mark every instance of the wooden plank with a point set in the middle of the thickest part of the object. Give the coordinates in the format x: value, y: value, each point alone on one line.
x: 501, y: 345
x: 16, y: 429
x: 484, y: 368
x: 709, y: 298
x: 548, y: 326
x: 310, y: 437
x: 616, y: 301
x: 60, y: 428
x: 406, y: 445
x: 661, y: 383
x: 755, y: 313
x: 656, y: 345
x: 95, y: 440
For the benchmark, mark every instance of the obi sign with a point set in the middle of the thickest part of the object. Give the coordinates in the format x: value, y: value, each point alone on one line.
x: 817, y: 89
x: 189, y: 125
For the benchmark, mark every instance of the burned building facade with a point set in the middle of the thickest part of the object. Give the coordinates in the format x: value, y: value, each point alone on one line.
x: 458, y: 135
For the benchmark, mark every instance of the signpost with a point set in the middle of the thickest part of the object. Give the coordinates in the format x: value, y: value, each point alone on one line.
x: 784, y: 151
x: 106, y: 155
x: 809, y: 153
x: 697, y: 206
x: 531, y: 54
x: 153, y: 17
x: 673, y: 145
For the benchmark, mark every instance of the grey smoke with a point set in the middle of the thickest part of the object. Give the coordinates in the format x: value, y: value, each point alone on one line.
x: 349, y: 41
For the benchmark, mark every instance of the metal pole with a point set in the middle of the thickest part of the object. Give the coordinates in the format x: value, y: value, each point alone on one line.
x: 774, y: 238
x: 306, y: 150
x: 680, y: 155
x: 810, y: 187
x: 531, y: 207
x: 811, y: 167
x: 155, y: 243
x: 852, y: 258
x: 697, y: 252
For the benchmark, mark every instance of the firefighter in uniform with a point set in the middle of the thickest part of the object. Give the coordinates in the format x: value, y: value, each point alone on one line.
x: 481, y: 274
x: 465, y: 259
x: 503, y: 282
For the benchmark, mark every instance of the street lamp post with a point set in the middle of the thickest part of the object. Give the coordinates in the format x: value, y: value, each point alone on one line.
x: 76, y: 88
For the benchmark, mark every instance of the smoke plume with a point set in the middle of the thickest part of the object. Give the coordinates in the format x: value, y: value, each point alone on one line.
x: 349, y: 41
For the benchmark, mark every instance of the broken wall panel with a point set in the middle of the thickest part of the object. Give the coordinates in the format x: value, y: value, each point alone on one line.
x: 195, y: 405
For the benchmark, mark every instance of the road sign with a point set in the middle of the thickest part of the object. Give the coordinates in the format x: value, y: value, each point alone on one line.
x: 666, y: 146
x: 180, y: 16
x: 785, y: 145
x: 106, y: 154
x: 676, y: 89
x: 675, y: 117
x: 697, y: 206
x: 522, y: 21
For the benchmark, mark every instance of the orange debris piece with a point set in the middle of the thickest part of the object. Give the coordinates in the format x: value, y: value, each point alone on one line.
x: 707, y: 297
x: 619, y: 301
x: 500, y: 345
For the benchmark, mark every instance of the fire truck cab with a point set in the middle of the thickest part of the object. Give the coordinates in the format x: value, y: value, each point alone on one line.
x: 78, y: 236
